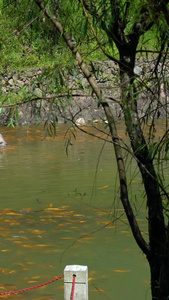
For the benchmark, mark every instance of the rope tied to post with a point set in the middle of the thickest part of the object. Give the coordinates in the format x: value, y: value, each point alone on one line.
x: 73, y: 286
x: 30, y: 288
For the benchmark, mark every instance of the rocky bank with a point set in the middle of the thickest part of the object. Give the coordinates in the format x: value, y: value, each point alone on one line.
x: 44, y: 98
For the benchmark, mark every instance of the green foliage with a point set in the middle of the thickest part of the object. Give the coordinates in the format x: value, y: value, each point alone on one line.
x: 29, y: 39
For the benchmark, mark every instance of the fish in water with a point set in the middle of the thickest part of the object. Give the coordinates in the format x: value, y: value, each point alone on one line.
x: 2, y: 142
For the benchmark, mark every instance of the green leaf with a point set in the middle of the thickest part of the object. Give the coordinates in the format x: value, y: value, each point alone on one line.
x: 62, y: 81
x: 11, y: 123
x: 16, y: 114
x: 100, y: 98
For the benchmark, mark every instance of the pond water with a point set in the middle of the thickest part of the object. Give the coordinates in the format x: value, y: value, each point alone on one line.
x: 57, y: 210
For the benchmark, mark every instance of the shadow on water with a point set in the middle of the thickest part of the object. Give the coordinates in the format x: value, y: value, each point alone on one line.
x: 53, y: 213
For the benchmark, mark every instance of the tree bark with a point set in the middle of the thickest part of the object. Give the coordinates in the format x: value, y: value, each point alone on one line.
x: 159, y: 253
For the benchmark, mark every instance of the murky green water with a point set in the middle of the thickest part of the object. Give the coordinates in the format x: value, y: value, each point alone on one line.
x: 55, y: 211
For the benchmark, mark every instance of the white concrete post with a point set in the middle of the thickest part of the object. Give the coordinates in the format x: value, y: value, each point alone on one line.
x: 81, y: 282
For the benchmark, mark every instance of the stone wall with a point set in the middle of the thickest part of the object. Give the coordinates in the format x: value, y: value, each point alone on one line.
x: 40, y: 84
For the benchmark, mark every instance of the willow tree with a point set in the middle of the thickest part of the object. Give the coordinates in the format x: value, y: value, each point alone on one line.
x: 124, y: 23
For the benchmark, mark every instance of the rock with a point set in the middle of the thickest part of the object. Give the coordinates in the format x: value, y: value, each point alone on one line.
x: 37, y: 93
x: 2, y: 142
x: 137, y: 70
x: 10, y: 81
x: 3, y: 82
x: 80, y: 122
x: 20, y: 83
x: 4, y: 89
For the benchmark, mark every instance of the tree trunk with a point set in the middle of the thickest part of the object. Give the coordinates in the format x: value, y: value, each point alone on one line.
x: 159, y: 253
x: 159, y: 267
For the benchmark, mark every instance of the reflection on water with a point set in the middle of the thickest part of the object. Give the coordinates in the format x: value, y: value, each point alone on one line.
x: 2, y: 154
x: 55, y: 212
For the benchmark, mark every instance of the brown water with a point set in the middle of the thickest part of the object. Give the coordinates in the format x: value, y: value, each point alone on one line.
x: 55, y: 211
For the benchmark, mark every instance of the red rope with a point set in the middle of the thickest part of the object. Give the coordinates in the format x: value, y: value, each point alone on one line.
x: 73, y: 287
x: 31, y: 288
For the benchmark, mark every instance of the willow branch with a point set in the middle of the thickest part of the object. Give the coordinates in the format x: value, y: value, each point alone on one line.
x: 96, y: 37
x: 47, y: 98
x: 111, y: 122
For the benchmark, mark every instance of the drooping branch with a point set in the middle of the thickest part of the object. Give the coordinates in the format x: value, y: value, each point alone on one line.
x: 120, y: 163
x: 85, y: 9
x: 158, y: 7
x: 115, y: 27
x: 46, y: 98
